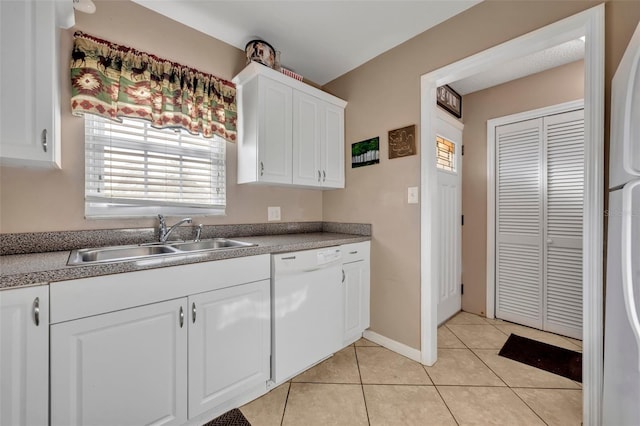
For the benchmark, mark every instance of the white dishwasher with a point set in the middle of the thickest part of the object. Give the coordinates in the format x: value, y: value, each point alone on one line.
x: 306, y: 308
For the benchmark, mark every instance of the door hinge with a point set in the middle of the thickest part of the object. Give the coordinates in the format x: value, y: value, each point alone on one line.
x: 462, y: 150
x: 461, y: 288
x: 462, y: 220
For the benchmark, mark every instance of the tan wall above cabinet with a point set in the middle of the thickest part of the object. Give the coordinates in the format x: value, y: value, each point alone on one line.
x: 289, y: 133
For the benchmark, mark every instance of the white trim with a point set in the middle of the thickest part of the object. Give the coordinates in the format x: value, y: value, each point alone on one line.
x: 491, y: 184
x: 397, y: 347
x: 589, y: 23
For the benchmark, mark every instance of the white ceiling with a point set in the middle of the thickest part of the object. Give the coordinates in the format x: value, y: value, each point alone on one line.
x: 320, y: 39
x: 562, y: 54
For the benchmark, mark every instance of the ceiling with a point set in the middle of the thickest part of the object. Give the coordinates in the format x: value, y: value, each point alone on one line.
x: 562, y: 54
x: 324, y: 39
x: 319, y: 39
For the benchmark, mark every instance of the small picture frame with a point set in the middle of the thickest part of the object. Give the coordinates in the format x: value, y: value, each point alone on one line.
x: 450, y: 100
x: 402, y: 142
x: 365, y: 153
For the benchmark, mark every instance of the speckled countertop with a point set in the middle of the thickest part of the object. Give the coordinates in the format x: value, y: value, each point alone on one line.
x: 20, y: 270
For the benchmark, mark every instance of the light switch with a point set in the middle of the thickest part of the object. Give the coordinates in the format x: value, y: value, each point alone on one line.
x: 273, y: 213
x: 412, y: 195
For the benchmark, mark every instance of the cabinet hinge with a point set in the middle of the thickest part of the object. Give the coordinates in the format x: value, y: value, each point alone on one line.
x: 461, y: 288
x: 462, y: 221
x: 462, y: 150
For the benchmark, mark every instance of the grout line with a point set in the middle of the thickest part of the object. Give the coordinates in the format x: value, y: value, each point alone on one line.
x: 447, y: 405
x: 364, y: 398
x: 286, y: 401
x: 530, y: 408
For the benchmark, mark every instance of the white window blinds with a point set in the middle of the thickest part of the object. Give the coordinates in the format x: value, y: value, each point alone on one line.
x: 133, y: 169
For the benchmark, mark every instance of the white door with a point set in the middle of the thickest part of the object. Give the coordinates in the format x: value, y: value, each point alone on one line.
x: 539, y: 210
x: 519, y: 223
x: 122, y: 368
x: 24, y: 356
x: 564, y: 151
x: 229, y: 344
x: 449, y: 249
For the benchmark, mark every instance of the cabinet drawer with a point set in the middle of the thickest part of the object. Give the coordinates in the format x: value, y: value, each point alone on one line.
x: 92, y: 296
x: 355, y: 252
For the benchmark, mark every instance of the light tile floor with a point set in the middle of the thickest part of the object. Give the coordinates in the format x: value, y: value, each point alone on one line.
x: 366, y: 384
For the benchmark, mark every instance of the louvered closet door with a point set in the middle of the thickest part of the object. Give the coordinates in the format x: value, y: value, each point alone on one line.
x: 564, y: 135
x: 519, y: 223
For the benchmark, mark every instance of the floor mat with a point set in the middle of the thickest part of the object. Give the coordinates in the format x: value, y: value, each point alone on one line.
x: 230, y: 418
x: 561, y: 361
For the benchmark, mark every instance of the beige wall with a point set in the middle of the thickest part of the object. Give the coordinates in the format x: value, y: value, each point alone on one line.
x: 384, y: 94
x: 562, y: 84
x: 52, y: 200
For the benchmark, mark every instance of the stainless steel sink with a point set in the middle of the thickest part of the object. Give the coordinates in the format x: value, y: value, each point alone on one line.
x: 214, y: 244
x: 111, y: 254
x: 124, y: 253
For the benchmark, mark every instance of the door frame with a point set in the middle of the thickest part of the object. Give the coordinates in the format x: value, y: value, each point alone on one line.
x: 491, y: 185
x: 589, y: 23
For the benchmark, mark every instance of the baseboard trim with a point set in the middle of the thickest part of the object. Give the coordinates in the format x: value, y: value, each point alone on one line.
x: 397, y: 347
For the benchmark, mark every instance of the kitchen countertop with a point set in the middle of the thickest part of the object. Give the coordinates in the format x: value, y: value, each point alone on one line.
x: 20, y: 270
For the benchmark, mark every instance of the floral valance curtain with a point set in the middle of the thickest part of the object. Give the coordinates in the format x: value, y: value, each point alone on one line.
x: 115, y: 81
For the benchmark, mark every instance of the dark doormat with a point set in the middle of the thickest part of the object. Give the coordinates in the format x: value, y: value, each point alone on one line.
x: 230, y: 418
x: 561, y: 361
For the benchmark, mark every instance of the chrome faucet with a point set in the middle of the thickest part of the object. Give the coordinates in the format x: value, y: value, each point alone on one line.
x: 163, y: 232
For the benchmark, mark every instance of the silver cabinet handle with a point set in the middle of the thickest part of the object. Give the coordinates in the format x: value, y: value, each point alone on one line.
x: 343, y: 277
x: 193, y: 312
x: 324, y: 176
x: 353, y: 252
x: 289, y: 258
x: 43, y: 139
x: 181, y: 317
x: 318, y: 175
x: 261, y: 168
x: 36, y: 311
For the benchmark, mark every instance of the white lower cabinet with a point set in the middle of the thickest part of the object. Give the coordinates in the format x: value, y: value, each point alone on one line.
x: 121, y: 368
x: 167, y: 346
x: 24, y: 356
x: 229, y: 344
x: 356, y: 290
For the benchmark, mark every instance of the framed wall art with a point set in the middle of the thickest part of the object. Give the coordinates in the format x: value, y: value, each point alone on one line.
x: 402, y: 142
x: 365, y: 153
x: 450, y: 100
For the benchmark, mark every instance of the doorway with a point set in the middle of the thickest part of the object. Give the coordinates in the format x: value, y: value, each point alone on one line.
x: 590, y: 24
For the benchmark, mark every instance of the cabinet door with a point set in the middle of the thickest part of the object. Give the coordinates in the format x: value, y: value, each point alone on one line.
x: 307, y: 133
x: 332, y: 164
x: 29, y: 127
x: 122, y: 368
x: 229, y: 344
x: 356, y: 300
x: 274, y: 131
x: 24, y: 356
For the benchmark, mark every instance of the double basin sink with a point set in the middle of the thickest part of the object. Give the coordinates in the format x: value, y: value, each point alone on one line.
x: 125, y: 253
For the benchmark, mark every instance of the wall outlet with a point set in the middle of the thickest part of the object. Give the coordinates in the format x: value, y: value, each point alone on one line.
x: 412, y: 195
x: 273, y: 213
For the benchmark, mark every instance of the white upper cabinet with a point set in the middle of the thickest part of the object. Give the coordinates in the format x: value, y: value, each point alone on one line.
x: 318, y: 149
x: 30, y: 81
x: 289, y: 133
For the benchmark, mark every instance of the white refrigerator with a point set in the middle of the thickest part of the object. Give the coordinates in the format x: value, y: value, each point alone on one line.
x: 621, y: 386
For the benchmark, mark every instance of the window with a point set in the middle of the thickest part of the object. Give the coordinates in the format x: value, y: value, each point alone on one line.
x: 445, y: 152
x: 133, y: 169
